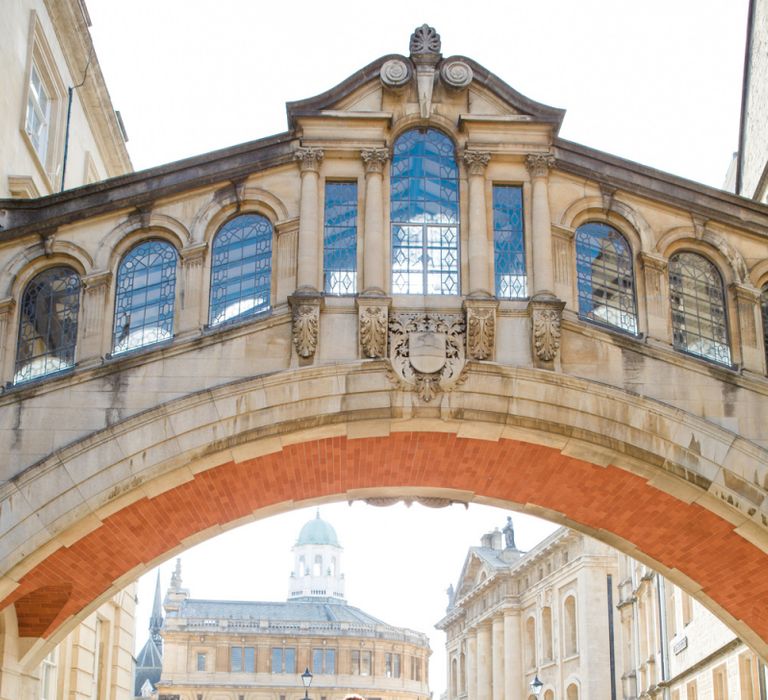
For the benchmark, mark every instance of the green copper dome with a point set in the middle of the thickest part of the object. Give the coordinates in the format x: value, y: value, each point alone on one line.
x: 318, y: 531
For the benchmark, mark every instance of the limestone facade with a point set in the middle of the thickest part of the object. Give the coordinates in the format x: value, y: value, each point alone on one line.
x: 571, y: 286
x: 47, y: 50
x: 546, y: 613
x: 256, y: 650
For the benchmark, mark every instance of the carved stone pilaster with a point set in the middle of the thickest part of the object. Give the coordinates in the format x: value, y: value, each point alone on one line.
x: 546, y: 313
x: 481, y: 328
x: 539, y: 164
x: 95, y: 287
x: 748, y: 311
x: 373, y: 323
x: 476, y: 161
x: 374, y: 159
x: 306, y: 323
x: 6, y: 338
x: 309, y: 158
x: 654, y: 268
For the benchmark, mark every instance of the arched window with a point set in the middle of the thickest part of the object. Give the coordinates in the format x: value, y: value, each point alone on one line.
x: 317, y: 567
x: 699, y: 323
x: 546, y: 633
x: 570, y: 635
x: 425, y: 214
x: 463, y: 673
x: 241, y: 269
x: 48, y: 324
x: 549, y: 695
x: 605, y: 278
x: 764, y: 310
x: 146, y: 291
x: 454, y: 677
x: 530, y: 643
x: 572, y: 693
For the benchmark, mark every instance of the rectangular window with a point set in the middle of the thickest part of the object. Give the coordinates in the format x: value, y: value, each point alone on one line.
x: 392, y: 665
x: 236, y: 659
x: 747, y: 676
x: 283, y: 660
x: 324, y: 661
x: 361, y: 663
x: 38, y: 117
x: 509, y: 242
x: 690, y: 691
x: 415, y: 669
x: 340, y: 238
x: 250, y: 660
x: 720, y: 683
x: 200, y: 661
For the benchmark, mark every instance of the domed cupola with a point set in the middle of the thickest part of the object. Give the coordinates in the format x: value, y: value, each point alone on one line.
x: 317, y: 563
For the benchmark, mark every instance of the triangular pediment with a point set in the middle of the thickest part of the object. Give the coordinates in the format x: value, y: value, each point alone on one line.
x: 428, y: 84
x: 474, y: 572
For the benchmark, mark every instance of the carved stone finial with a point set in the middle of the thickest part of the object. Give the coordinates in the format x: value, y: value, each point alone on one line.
x: 176, y: 575
x: 374, y: 159
x: 476, y: 161
x: 538, y: 164
x: 309, y: 158
x: 424, y: 40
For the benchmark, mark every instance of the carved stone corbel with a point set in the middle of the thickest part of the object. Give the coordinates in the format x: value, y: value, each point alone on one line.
x: 546, y: 313
x: 373, y: 324
x: 305, y: 330
x: 481, y: 328
x: 425, y: 55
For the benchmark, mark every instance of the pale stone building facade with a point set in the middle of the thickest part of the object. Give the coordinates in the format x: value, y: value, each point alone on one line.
x: 547, y: 613
x: 256, y: 650
x: 51, y: 75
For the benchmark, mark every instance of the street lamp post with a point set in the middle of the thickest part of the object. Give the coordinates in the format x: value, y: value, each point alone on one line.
x: 306, y: 679
x: 536, y: 686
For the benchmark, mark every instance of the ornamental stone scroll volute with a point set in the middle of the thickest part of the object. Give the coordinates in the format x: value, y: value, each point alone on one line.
x: 427, y: 352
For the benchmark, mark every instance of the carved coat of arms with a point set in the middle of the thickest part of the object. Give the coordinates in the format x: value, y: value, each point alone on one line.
x: 427, y: 352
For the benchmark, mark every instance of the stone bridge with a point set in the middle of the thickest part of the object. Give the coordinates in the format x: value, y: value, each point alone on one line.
x: 418, y: 290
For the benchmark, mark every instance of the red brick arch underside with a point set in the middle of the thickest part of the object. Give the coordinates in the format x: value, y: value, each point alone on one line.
x: 729, y: 570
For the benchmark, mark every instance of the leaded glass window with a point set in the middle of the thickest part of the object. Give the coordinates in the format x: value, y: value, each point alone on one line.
x: 605, y: 278
x: 509, y: 242
x: 764, y: 311
x: 424, y: 214
x: 699, y: 323
x: 340, y: 238
x: 241, y: 269
x: 146, y: 291
x: 48, y: 325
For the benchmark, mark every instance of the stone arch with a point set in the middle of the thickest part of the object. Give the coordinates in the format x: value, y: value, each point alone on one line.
x: 113, y: 246
x: 576, y: 452
x: 610, y: 210
x: 758, y: 274
x: 29, y: 261
x: 570, y: 617
x: 435, y: 121
x: 710, y: 243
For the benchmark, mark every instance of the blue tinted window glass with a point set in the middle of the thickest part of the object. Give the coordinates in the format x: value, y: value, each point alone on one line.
x: 146, y: 291
x: 699, y: 323
x: 340, y: 238
x: 49, y: 310
x: 509, y: 242
x: 241, y: 269
x: 764, y: 310
x: 424, y: 213
x: 605, y: 277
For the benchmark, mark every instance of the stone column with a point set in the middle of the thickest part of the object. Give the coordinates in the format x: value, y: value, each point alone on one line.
x: 308, y: 268
x: 750, y: 341
x: 373, y: 233
x: 657, y: 296
x: 513, y: 670
x: 479, y: 254
x: 538, y: 166
x: 471, y: 664
x: 191, y: 303
x: 484, y: 664
x: 95, y: 322
x: 7, y: 339
x: 307, y: 300
x: 498, y: 658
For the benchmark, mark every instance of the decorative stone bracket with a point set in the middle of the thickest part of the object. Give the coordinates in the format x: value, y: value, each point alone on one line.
x: 373, y: 320
x: 481, y: 328
x: 306, y: 322
x: 546, y: 312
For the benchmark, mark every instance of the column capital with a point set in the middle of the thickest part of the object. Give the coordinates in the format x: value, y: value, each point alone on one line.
x: 7, y: 305
x: 746, y: 292
x: 374, y: 159
x: 97, y: 281
x: 539, y: 164
x: 194, y: 254
x: 476, y: 161
x: 654, y: 261
x: 309, y: 158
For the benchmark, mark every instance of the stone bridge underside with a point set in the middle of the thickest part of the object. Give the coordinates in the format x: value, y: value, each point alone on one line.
x: 650, y: 479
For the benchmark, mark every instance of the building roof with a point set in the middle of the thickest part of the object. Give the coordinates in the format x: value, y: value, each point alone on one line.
x: 318, y: 531
x: 149, y: 666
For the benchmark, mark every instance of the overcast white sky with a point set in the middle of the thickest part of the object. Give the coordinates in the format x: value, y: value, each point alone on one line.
x: 658, y: 82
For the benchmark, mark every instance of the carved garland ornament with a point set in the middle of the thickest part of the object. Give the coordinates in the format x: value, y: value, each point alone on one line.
x: 426, y: 352
x: 373, y: 331
x: 546, y: 333
x: 481, y: 332
x: 306, y: 322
